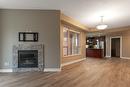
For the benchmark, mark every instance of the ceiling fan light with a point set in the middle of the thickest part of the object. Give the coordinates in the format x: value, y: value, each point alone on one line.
x: 101, y: 26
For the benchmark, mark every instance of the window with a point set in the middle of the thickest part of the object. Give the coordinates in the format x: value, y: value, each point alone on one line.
x: 71, y: 42
x: 65, y: 42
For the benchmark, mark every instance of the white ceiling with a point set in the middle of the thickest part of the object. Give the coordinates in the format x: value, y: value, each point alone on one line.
x: 116, y: 12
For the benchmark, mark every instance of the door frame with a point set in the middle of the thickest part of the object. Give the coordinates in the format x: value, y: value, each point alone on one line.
x: 120, y: 44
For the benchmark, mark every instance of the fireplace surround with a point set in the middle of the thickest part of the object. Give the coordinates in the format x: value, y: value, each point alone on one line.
x: 28, y: 57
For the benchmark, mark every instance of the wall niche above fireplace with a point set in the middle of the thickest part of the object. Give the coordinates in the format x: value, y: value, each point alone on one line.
x: 28, y: 36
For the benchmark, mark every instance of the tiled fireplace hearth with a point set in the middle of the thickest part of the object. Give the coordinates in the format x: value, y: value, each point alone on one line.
x: 28, y: 57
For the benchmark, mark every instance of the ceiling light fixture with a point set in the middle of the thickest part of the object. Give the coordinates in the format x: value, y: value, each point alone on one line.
x: 101, y: 26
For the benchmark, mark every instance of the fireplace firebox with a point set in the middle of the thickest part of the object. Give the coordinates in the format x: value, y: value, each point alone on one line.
x: 27, y: 58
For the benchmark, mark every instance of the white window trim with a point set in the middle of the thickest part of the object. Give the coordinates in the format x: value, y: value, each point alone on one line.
x: 68, y: 29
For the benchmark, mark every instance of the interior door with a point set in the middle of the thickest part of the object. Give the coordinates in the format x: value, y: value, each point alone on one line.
x: 115, y: 47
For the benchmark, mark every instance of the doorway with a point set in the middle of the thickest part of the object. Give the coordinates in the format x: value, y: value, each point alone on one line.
x: 116, y: 47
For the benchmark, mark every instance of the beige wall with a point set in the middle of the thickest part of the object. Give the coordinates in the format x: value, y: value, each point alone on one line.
x: 77, y: 26
x: 125, y: 42
x: 46, y: 22
x: 74, y: 22
x: 83, y: 43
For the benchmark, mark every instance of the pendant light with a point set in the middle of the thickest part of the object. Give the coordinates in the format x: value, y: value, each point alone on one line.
x: 101, y: 26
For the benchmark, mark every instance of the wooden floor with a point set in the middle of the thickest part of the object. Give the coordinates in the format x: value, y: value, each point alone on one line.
x: 90, y: 73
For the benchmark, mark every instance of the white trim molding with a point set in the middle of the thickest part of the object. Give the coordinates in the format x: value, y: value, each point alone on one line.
x: 75, y: 61
x: 107, y: 56
x: 125, y: 57
x: 6, y: 70
x: 120, y: 45
x: 52, y: 69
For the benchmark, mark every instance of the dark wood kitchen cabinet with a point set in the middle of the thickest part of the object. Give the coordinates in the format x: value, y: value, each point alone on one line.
x: 95, y: 53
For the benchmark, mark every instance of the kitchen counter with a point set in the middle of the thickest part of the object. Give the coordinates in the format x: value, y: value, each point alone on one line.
x: 94, y: 52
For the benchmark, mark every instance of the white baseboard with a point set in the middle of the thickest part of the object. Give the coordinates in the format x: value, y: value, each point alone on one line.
x: 52, y: 69
x: 75, y: 61
x: 107, y: 56
x: 6, y: 70
x: 125, y: 57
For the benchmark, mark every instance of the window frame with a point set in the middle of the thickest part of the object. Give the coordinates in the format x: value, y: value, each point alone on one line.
x: 68, y: 37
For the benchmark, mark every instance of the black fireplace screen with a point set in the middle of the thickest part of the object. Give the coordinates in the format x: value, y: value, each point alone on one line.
x: 27, y: 58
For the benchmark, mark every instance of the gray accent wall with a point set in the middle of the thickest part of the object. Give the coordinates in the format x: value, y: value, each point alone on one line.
x: 46, y: 22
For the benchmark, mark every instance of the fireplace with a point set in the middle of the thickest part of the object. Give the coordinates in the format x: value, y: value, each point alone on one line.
x: 27, y: 58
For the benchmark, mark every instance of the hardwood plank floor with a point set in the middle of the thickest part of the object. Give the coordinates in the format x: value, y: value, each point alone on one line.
x: 113, y: 72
